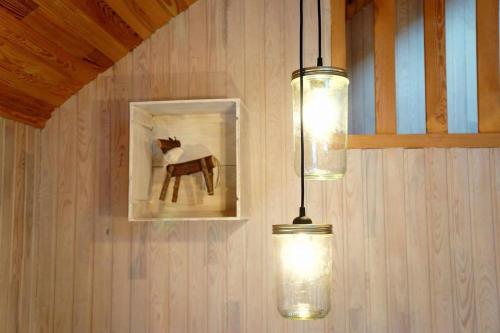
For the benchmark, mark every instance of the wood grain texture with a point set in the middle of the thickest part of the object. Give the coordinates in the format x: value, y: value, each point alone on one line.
x: 384, y: 13
x: 51, y: 49
x: 424, y: 140
x: 400, y: 217
x: 488, y: 77
x: 435, y: 66
x: 338, y: 9
x: 361, y: 72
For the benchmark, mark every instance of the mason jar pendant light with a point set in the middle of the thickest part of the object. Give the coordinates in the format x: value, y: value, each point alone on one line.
x: 320, y: 106
x: 302, y: 250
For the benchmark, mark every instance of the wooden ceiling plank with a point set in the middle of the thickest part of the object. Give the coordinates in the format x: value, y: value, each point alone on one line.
x: 153, y: 11
x: 21, y: 117
x: 104, y: 15
x: 130, y: 16
x: 68, y: 41
x: 22, y: 65
x: 67, y: 15
x: 31, y: 88
x: 18, y: 33
x: 14, y: 99
x: 18, y: 8
x: 488, y: 79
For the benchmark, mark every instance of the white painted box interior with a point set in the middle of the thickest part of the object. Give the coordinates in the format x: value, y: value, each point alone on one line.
x: 204, y: 127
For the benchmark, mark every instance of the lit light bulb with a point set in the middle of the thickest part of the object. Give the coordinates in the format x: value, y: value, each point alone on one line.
x: 300, y: 256
x: 320, y: 118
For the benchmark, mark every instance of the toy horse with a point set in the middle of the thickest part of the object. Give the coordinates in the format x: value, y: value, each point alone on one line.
x: 205, y: 165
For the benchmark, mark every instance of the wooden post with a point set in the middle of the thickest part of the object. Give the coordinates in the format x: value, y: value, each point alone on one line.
x: 488, y: 85
x: 338, y: 11
x: 435, y: 66
x: 385, y: 77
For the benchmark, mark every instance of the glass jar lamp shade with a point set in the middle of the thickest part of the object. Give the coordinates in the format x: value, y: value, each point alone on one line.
x: 303, y: 262
x: 325, y: 100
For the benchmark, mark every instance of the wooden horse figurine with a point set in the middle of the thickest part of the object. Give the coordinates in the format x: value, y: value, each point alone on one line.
x: 205, y: 165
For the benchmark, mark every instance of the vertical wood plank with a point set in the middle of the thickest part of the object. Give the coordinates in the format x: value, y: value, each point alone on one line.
x: 18, y: 226
x: 102, y: 286
x: 488, y: 79
x: 139, y: 261
x: 334, y: 214
x: 384, y: 13
x: 441, y: 290
x: 495, y: 182
x: 122, y: 272
x: 338, y: 28
x: 28, y: 251
x: 216, y: 231
x: 396, y: 246
x: 197, y: 241
x: 483, y: 241
x: 416, y: 238
x: 461, y: 70
x: 65, y: 223
x: 35, y: 206
x: 355, y: 245
x: 85, y: 211
x: 159, y: 245
x: 375, y: 241
x: 7, y: 220
x: 460, y: 241
x: 47, y: 195
x: 275, y: 78
x: 435, y: 66
x: 179, y: 236
x: 254, y: 98
x: 410, y: 67
x: 236, y: 233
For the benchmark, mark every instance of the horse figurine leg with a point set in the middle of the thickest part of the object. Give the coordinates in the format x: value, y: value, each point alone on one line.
x: 208, y: 176
x: 176, y: 188
x: 163, y: 194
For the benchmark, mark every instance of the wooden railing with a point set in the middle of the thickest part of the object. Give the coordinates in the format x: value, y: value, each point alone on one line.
x: 436, y: 108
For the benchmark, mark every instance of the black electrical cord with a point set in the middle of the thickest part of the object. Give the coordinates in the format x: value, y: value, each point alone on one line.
x: 320, y: 59
x: 301, y: 59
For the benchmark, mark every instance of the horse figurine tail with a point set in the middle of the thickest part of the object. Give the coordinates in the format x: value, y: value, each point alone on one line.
x: 217, y: 165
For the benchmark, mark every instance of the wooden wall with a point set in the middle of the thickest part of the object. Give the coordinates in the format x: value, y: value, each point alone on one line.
x: 19, y: 179
x: 417, y: 232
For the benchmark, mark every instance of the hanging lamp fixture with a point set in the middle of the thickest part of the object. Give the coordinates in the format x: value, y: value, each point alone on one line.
x: 303, y: 252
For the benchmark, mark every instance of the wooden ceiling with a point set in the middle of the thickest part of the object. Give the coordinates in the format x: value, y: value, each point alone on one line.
x: 49, y: 49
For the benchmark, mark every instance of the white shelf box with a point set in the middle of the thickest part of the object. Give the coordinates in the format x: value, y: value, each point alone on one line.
x: 203, y: 127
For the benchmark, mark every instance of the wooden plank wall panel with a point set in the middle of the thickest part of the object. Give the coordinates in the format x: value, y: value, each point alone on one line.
x: 398, y: 216
x: 18, y: 167
x: 361, y: 72
x: 410, y: 67
x: 461, y: 70
x: 488, y: 78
